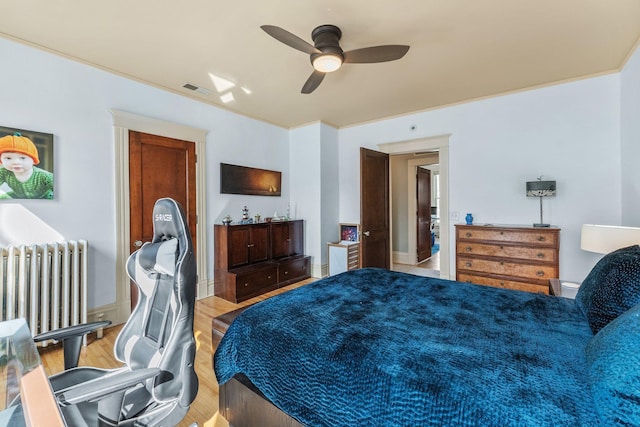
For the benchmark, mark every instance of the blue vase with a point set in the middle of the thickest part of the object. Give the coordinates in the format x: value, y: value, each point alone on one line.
x: 469, y: 219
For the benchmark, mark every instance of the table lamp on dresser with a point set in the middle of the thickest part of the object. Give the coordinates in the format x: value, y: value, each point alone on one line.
x: 541, y: 189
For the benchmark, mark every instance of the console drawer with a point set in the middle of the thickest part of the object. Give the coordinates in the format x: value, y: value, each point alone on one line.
x: 503, y: 283
x: 529, y: 237
x: 508, y: 251
x: 255, y: 281
x: 507, y: 268
x: 293, y: 269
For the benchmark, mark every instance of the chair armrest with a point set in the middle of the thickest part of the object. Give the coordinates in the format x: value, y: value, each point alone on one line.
x: 71, y: 331
x: 102, y: 387
x: 71, y: 337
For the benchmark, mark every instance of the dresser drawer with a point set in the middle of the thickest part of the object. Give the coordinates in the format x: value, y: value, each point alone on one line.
x: 509, y: 235
x: 253, y: 282
x: 293, y: 269
x: 528, y: 271
x: 503, y: 283
x: 508, y: 251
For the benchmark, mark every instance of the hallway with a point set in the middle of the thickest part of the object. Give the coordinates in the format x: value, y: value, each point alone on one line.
x: 428, y: 268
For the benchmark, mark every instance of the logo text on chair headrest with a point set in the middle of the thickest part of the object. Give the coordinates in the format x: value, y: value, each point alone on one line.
x: 163, y: 217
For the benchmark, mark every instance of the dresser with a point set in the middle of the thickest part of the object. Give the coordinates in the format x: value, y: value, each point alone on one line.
x: 343, y: 256
x: 508, y: 256
x: 251, y: 259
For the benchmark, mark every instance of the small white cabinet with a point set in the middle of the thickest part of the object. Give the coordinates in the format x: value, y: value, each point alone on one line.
x: 343, y: 256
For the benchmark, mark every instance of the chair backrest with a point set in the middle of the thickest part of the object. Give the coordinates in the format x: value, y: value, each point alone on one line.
x: 159, y: 332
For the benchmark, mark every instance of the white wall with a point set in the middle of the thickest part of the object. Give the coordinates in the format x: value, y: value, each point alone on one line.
x: 46, y: 93
x: 330, y: 211
x: 630, y: 140
x: 306, y: 183
x: 399, y: 204
x: 314, y: 187
x: 569, y: 133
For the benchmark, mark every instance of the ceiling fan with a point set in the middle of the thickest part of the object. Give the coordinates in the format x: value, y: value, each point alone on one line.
x: 326, y: 54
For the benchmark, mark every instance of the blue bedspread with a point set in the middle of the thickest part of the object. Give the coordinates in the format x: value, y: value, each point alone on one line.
x: 378, y: 348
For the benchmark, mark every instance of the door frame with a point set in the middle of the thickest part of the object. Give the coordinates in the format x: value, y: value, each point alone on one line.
x: 440, y: 143
x: 122, y: 123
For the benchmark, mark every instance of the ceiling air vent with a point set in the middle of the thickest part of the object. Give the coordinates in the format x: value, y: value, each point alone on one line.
x: 195, y: 88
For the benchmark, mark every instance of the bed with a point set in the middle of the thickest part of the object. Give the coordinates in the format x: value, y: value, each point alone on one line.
x: 374, y: 347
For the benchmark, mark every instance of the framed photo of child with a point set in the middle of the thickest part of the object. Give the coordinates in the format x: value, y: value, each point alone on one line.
x: 26, y: 164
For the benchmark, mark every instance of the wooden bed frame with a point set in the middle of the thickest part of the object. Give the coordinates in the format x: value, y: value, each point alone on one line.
x: 242, y: 404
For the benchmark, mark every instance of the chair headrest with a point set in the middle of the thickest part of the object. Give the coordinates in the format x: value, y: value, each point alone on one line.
x: 169, y: 222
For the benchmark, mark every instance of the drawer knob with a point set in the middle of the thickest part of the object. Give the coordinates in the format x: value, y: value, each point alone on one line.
x: 246, y: 284
x: 541, y: 239
x: 501, y: 233
x: 540, y: 273
x: 468, y: 263
x: 501, y: 247
x: 468, y: 249
x: 501, y: 262
x: 540, y: 255
x: 468, y: 234
x: 269, y: 277
x: 286, y: 272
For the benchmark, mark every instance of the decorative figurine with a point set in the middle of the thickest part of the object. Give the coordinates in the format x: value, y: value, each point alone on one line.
x: 245, y: 213
x: 257, y: 218
x: 226, y: 220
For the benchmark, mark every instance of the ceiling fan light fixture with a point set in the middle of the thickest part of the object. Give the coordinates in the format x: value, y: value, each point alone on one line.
x: 327, y: 62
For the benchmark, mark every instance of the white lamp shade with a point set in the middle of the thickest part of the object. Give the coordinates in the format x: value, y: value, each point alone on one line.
x: 327, y: 63
x: 607, y: 238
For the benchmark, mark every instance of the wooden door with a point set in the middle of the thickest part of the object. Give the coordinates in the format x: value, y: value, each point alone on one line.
x: 280, y: 241
x: 259, y: 243
x: 423, y: 215
x: 374, y: 209
x: 239, y: 240
x: 296, y: 237
x: 159, y: 167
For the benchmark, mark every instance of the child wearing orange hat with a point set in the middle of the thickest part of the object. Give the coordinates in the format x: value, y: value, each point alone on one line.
x: 18, y: 156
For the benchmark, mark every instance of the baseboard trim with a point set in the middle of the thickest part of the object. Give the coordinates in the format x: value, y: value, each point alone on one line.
x: 402, y: 258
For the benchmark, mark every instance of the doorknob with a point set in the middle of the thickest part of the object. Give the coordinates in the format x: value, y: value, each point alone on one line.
x: 137, y: 243
x: 367, y: 233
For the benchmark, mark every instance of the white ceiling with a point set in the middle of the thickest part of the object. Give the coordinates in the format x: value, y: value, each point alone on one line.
x: 460, y: 49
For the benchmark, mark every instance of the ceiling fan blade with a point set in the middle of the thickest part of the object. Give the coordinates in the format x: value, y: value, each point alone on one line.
x: 289, y: 39
x: 375, y: 54
x: 313, y: 81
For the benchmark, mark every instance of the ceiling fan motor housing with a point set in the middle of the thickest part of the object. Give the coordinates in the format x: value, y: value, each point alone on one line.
x: 326, y: 38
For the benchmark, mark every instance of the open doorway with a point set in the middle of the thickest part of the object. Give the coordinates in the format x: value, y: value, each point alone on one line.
x: 415, y: 208
x: 439, y: 144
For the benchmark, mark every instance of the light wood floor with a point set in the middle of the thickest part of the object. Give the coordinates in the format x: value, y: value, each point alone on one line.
x: 204, y: 410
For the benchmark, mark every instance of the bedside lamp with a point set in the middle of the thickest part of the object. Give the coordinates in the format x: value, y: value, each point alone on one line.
x: 603, y: 239
x: 541, y: 189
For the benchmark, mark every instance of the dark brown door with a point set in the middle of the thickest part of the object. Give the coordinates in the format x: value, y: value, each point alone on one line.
x: 249, y: 244
x: 239, y: 236
x: 159, y: 167
x: 279, y: 240
x: 259, y: 243
x: 423, y: 229
x: 374, y: 209
x: 287, y: 238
